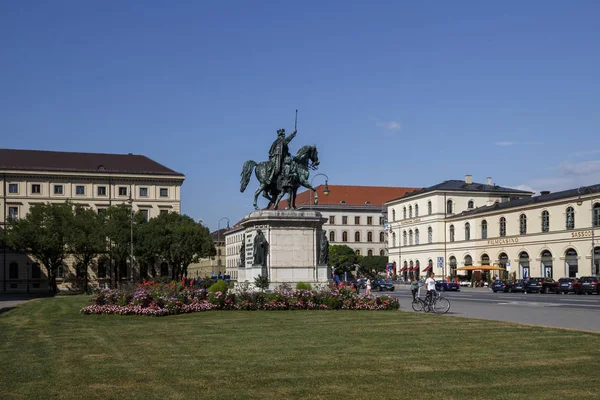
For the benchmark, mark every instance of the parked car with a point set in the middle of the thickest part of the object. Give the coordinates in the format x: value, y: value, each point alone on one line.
x: 381, y: 284
x: 541, y: 285
x: 500, y: 286
x: 589, y: 285
x: 517, y: 286
x: 567, y: 285
x: 447, y: 286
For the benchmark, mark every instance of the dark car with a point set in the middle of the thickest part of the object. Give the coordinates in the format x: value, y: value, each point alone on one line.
x: 567, y: 285
x: 541, y: 285
x: 589, y: 285
x: 500, y: 286
x: 517, y: 286
x: 447, y: 286
x: 381, y: 284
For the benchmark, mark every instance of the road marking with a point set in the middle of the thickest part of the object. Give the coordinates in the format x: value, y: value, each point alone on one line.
x: 586, y: 301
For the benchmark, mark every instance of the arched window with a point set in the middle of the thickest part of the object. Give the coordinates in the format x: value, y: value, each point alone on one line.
x: 369, y: 236
x: 429, y: 210
x: 409, y: 211
x: 357, y: 236
x: 13, y: 271
x: 452, y: 266
x: 332, y: 236
x: 572, y: 262
x: 467, y: 231
x: 484, y: 229
x: 570, y: 218
x: 523, y: 224
x: 369, y: 252
x: 382, y: 252
x: 357, y: 252
x: 545, y: 221
x: 596, y: 266
x: 381, y: 237
x: 416, y: 210
x: 547, y: 263
x: 502, y: 226
x: 344, y: 236
x: 596, y: 214
x: 429, y: 235
x: 449, y: 207
x: 468, y: 260
x: 404, y: 238
x: 470, y: 204
x: 416, y: 236
x: 485, y: 259
x: 524, y: 264
x: 452, y: 233
x: 417, y: 268
x: 410, y: 237
x: 393, y: 239
x: 404, y: 212
x: 502, y: 261
x: 393, y: 214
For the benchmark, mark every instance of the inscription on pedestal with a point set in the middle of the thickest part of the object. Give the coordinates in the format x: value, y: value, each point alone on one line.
x: 249, y: 240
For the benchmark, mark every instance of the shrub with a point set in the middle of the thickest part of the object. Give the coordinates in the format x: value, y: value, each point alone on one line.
x: 218, y: 286
x: 303, y: 286
x: 262, y: 282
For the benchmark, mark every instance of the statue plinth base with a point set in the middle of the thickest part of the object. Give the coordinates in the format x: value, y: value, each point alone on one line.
x: 294, y: 239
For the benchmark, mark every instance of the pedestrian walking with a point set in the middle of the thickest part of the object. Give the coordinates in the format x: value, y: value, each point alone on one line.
x: 368, y: 293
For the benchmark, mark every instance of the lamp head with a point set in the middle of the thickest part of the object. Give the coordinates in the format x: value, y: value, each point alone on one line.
x: 326, y: 190
x: 579, y: 201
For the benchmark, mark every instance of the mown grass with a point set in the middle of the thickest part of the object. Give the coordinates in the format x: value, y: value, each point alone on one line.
x: 49, y: 350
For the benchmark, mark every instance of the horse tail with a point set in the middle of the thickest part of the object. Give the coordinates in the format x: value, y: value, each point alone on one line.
x: 246, y: 174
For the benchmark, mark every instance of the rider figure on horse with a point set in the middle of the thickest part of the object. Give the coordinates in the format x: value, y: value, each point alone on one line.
x: 278, y: 152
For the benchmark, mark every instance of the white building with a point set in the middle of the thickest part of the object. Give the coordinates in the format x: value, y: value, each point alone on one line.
x: 471, y: 224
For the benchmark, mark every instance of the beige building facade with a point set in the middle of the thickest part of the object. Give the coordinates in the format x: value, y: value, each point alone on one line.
x: 460, y: 223
x: 97, y: 181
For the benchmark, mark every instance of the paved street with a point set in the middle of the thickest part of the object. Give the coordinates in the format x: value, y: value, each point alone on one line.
x: 9, y: 301
x: 565, y: 311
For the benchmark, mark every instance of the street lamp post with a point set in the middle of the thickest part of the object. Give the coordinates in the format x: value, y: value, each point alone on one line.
x: 579, y: 203
x: 325, y: 191
x: 130, y: 201
x: 219, y: 240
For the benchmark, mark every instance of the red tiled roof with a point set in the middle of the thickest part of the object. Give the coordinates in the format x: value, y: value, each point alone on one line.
x: 352, y: 195
x: 41, y: 160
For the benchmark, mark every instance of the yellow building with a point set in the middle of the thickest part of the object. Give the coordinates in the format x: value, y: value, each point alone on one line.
x: 211, y: 266
x: 97, y: 181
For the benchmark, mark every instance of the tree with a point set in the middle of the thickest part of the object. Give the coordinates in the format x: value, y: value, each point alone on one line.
x: 262, y: 282
x: 43, y: 234
x: 372, y: 265
x: 342, y: 258
x: 86, y: 237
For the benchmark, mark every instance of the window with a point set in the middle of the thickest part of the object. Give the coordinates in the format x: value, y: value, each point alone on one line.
x: 357, y: 251
x: 36, y: 188
x: 164, y: 192
x: 404, y: 241
x: 369, y: 220
x: 502, y: 226
x: 60, y: 271
x: 356, y: 220
x: 101, y: 190
x: 370, y: 252
x: 357, y: 236
x: 570, y: 218
x: 36, y: 272
x: 344, y: 236
x: 332, y: 219
x: 163, y: 211
x: 429, y: 210
x: 80, y: 271
x: 369, y: 236
x: 13, y: 271
x: 449, y: 207
x: 523, y: 224
x: 143, y: 192
x: 102, y: 269
x: 13, y: 213
x: 596, y: 213
x: 13, y: 188
x: 416, y: 210
x: 470, y: 204
x: 545, y: 221
x: 382, y: 253
x: 381, y: 220
x: 468, y: 260
x: 393, y: 215
x: 410, y: 237
x: 381, y: 237
x: 393, y: 239
x: 80, y: 190
x: 58, y: 189
x: 404, y: 212
x: 416, y: 236
x: 331, y: 236
x: 101, y: 211
x: 485, y: 259
x: 344, y: 220
x: 409, y: 211
x: 484, y: 229
x: 122, y: 190
x: 452, y: 233
x: 467, y: 231
x: 429, y: 235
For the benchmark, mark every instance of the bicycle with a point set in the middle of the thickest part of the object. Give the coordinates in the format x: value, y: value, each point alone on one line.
x: 437, y: 304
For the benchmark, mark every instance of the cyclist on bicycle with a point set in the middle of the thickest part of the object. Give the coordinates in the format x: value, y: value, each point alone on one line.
x: 430, y: 282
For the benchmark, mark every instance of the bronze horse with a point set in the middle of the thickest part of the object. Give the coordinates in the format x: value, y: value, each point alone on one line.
x: 306, y: 159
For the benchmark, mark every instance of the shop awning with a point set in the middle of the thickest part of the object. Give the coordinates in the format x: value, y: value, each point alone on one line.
x: 410, y: 269
x: 427, y: 268
x: 403, y: 269
x: 480, y: 268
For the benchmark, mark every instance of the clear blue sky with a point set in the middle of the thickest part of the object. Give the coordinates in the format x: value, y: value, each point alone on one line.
x: 393, y: 93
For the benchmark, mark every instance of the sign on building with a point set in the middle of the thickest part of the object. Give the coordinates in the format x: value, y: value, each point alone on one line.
x: 440, y: 262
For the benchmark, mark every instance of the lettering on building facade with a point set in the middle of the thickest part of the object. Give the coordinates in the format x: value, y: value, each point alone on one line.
x: 503, y: 241
x: 581, y: 234
x: 410, y: 221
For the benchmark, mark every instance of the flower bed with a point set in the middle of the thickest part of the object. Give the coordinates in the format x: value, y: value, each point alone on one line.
x: 158, y: 299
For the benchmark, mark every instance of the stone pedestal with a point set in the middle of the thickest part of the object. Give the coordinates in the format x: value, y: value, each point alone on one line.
x: 293, y: 246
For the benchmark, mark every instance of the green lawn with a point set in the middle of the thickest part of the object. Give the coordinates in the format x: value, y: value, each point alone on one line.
x: 49, y: 350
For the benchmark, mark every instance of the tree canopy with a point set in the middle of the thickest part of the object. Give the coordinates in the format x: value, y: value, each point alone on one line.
x: 342, y: 258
